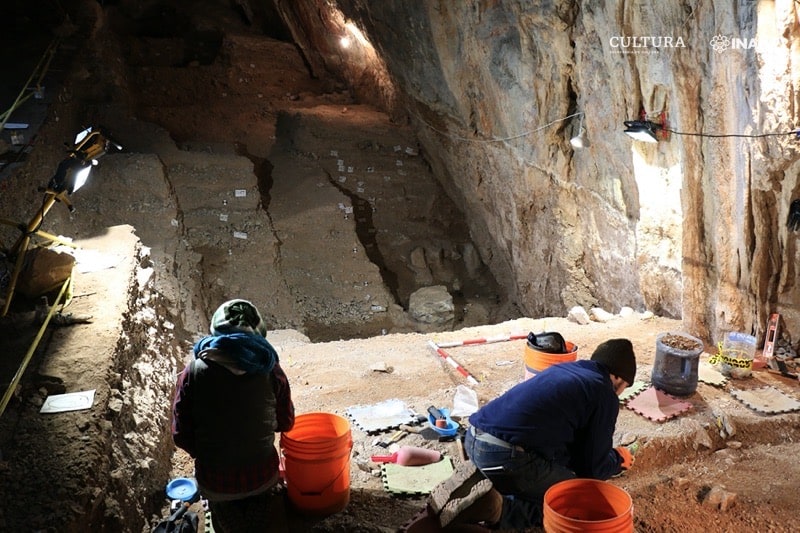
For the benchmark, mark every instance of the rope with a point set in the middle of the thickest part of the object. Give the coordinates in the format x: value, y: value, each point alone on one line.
x: 493, y: 139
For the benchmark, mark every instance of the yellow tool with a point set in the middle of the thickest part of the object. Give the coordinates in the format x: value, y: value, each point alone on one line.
x: 394, y: 438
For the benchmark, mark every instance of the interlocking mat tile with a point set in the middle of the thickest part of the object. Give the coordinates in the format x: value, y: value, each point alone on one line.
x: 415, y: 480
x: 381, y: 416
x: 657, y: 405
x: 708, y: 374
x: 633, y: 390
x: 767, y: 400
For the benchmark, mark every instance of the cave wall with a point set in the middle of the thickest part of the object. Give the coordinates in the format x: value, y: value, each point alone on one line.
x: 692, y: 226
x: 318, y: 29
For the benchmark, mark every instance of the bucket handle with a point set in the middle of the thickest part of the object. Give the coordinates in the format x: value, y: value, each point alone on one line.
x: 320, y: 461
x: 326, y: 487
x: 329, y: 485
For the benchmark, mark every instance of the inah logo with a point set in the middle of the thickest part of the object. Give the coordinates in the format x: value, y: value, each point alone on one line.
x: 720, y: 43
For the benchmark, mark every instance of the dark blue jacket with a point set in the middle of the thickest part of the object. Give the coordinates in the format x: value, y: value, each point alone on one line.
x: 566, y: 413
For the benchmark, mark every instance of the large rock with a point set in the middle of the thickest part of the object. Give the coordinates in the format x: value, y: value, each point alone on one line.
x: 432, y: 305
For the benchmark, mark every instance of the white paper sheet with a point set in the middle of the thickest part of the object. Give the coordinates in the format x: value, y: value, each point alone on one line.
x: 72, y: 401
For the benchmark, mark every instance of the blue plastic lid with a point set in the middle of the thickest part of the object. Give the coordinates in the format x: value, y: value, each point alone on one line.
x: 181, y: 488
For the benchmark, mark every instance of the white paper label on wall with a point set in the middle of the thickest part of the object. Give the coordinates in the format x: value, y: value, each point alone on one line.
x: 348, y: 210
x: 240, y: 193
x: 223, y: 217
x: 240, y: 235
x: 335, y: 153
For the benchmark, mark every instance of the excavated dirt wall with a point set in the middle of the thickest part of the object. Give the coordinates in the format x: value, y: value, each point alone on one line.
x: 101, y: 467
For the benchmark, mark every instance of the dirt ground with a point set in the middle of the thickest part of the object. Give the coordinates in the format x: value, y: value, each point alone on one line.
x: 679, y: 461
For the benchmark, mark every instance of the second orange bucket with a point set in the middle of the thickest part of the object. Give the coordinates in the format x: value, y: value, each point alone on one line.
x: 536, y: 361
x: 587, y: 505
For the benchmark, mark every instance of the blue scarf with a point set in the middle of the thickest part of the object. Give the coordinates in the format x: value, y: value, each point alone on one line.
x: 252, y: 352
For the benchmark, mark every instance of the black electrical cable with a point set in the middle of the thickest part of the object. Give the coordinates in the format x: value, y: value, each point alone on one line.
x: 718, y: 135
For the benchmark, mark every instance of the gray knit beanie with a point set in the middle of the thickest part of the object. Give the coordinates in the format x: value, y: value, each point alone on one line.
x: 237, y: 316
x: 618, y: 358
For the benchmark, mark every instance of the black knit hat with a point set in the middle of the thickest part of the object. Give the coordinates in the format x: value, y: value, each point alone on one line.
x: 618, y: 358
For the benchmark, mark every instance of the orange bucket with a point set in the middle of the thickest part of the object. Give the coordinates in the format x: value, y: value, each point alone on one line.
x: 581, y: 505
x: 317, y: 462
x: 536, y: 361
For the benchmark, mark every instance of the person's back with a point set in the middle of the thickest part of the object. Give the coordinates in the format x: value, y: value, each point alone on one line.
x: 230, y: 400
x: 553, y: 411
x: 223, y: 440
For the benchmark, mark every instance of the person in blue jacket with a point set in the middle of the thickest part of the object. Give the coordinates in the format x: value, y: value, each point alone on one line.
x: 555, y: 426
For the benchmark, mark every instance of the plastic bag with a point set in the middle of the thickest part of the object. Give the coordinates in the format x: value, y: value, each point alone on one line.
x: 549, y: 342
x: 465, y: 402
x: 735, y: 356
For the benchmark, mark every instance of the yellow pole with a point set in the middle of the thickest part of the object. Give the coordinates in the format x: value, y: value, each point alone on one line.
x: 35, y: 222
x: 44, y: 60
x: 21, y: 246
x: 27, y: 359
x: 12, y: 284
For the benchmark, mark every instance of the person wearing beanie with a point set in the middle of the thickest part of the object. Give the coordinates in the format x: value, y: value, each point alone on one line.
x: 229, y: 402
x: 555, y: 426
x: 617, y: 356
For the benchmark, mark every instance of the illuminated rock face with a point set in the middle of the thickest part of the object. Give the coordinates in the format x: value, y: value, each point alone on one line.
x: 691, y: 226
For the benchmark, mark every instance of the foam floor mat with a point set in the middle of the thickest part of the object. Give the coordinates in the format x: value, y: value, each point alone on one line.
x: 381, y: 416
x: 657, y: 405
x: 415, y: 480
x: 767, y: 400
x: 707, y: 373
x: 632, y: 391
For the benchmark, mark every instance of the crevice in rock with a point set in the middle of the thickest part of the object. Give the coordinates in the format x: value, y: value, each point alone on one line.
x: 366, y: 232
x: 262, y: 168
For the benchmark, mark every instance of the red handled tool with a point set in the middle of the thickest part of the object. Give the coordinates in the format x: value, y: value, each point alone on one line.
x: 409, y: 456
